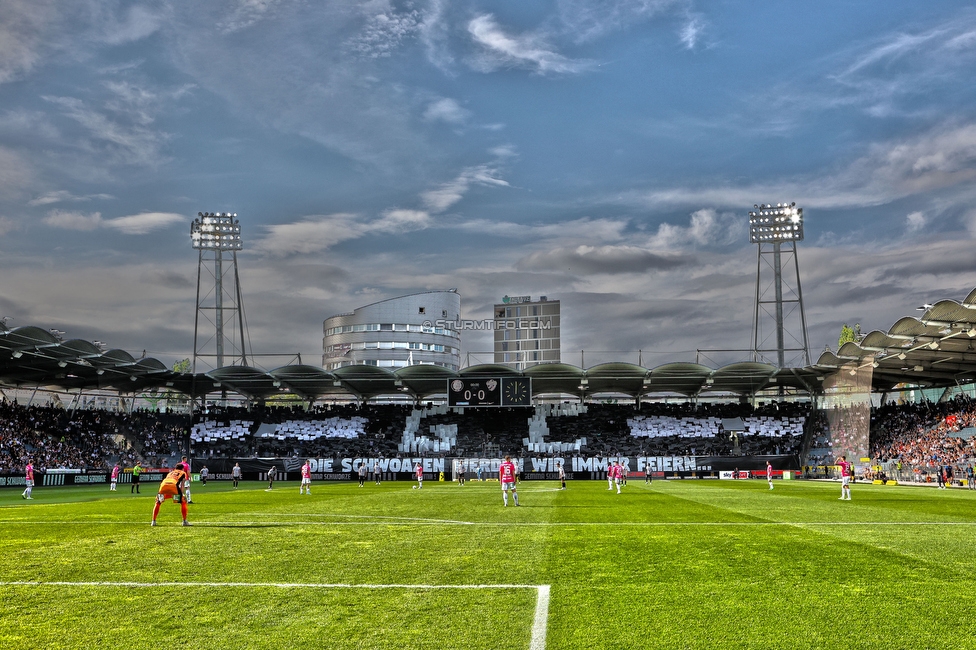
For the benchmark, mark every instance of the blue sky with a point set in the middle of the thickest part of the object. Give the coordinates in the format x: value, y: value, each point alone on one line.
x: 602, y: 153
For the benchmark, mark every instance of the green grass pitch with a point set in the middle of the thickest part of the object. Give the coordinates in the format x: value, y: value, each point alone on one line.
x: 677, y: 564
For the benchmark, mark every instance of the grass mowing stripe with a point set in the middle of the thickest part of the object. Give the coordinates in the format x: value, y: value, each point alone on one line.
x: 539, y: 619
x: 278, y: 585
x: 524, y: 524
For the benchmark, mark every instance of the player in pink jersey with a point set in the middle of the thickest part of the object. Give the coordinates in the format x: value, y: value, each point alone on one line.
x: 618, y: 475
x: 419, y: 471
x: 29, y: 480
x: 769, y: 474
x: 306, y: 484
x: 611, y: 474
x: 845, y: 478
x: 115, y: 477
x: 506, y: 476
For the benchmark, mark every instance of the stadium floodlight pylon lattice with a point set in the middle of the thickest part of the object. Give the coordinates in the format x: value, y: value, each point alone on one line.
x: 217, y: 237
x: 779, y: 301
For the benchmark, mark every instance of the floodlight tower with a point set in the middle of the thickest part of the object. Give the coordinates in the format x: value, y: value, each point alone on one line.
x: 777, y: 228
x: 218, y: 238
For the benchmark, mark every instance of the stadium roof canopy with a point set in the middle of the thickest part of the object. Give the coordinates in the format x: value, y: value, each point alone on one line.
x: 935, y: 349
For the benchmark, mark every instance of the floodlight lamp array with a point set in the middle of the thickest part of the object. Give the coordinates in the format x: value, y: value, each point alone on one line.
x: 770, y: 223
x: 216, y: 231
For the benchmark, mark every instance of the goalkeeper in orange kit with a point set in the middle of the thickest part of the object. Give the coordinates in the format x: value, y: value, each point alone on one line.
x: 171, y: 486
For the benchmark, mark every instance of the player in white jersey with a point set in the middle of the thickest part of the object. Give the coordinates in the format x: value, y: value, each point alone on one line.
x: 562, y: 476
x: 184, y: 464
x: 306, y: 484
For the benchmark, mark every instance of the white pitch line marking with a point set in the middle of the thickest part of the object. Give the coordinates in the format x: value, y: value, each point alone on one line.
x: 541, y: 620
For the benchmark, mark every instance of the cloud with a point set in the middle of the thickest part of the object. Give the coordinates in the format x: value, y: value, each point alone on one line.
x: 139, y: 22
x: 384, y: 31
x: 898, y: 46
x: 691, y: 32
x: 943, y: 157
x: 587, y: 20
x: 7, y: 225
x: 501, y: 50
x: 446, y: 110
x: 706, y: 227
x: 310, y: 235
x: 396, y: 221
x: 167, y: 278
x: 318, y: 233
x: 145, y: 222
x: 73, y: 220
x: 286, y: 77
x: 963, y: 41
x: 16, y: 174
x: 600, y: 259
x: 898, y: 74
x: 968, y: 221
x: 23, y: 35
x: 33, y: 30
x: 915, y: 222
x: 247, y: 13
x: 504, y: 151
x: 137, y: 224
x: 62, y: 196
x: 584, y: 229
x: 122, y: 131
x: 449, y: 193
x: 433, y: 30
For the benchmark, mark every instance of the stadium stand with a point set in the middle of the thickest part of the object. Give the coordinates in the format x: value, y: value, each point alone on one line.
x: 55, y: 439
x: 906, y: 440
x: 912, y: 440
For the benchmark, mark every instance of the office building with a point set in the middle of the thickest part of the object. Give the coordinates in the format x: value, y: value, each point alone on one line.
x: 393, y: 333
x: 526, y: 332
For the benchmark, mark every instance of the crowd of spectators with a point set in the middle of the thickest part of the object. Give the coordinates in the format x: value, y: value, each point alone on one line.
x: 382, y: 429
x: 608, y: 429
x: 56, y: 439
x: 923, y: 436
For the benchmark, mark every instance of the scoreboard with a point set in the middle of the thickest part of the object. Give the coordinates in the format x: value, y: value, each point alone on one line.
x: 489, y: 391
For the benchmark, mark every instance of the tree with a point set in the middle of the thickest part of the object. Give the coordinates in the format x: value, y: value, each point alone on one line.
x: 183, y: 367
x: 848, y: 334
